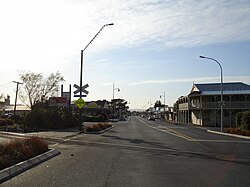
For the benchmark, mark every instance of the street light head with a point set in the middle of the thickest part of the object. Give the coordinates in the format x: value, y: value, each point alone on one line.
x: 118, y: 89
x: 202, y: 57
x: 110, y: 24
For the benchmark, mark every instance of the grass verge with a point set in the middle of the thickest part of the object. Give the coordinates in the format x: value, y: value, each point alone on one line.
x: 19, y: 150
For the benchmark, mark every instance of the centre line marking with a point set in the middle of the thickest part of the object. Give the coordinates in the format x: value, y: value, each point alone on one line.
x: 171, y: 131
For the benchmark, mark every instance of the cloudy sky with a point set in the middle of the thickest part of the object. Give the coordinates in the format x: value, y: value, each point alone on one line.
x: 153, y: 46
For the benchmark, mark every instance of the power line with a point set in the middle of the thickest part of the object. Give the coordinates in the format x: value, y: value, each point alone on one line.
x: 6, y: 85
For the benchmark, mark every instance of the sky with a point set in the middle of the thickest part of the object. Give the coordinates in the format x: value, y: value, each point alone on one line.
x: 153, y: 46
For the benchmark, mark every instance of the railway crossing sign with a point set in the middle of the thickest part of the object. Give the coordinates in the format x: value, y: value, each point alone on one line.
x: 83, y: 90
x: 80, y: 103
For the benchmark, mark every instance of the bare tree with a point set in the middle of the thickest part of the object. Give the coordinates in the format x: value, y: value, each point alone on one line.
x: 36, y: 87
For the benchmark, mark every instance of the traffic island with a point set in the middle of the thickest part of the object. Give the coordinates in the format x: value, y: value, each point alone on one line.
x: 21, y: 167
x: 97, y: 128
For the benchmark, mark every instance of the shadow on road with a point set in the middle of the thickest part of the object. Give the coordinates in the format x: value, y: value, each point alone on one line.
x: 160, y: 149
x: 139, y: 141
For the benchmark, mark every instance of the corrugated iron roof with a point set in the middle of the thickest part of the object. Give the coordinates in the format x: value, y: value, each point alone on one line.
x: 233, y: 86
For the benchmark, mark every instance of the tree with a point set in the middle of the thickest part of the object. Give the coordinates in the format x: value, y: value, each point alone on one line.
x: 119, y: 106
x: 158, y: 104
x: 36, y: 87
x: 1, y: 97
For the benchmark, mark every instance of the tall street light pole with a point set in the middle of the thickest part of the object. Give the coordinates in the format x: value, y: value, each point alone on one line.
x: 118, y: 89
x: 81, y: 71
x: 164, y: 101
x: 221, y: 88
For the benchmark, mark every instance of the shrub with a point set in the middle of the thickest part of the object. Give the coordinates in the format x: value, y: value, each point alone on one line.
x: 238, y: 119
x: 99, y: 118
x: 238, y: 131
x: 35, y: 118
x: 52, y: 118
x: 37, y: 145
x: 97, y: 127
x: 5, y: 122
x: 245, y: 120
x: 19, y: 150
x: 17, y: 119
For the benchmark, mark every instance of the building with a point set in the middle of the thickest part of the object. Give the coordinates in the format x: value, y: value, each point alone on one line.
x: 94, y: 108
x: 7, y: 108
x: 202, y: 105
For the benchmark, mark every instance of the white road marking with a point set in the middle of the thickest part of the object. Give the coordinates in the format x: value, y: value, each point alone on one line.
x: 222, y: 141
x: 170, y: 131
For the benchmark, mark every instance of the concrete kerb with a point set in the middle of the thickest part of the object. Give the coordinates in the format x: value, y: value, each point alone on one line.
x: 21, y: 167
x: 228, y: 134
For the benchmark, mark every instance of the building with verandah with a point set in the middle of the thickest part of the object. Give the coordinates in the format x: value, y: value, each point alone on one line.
x: 202, y: 105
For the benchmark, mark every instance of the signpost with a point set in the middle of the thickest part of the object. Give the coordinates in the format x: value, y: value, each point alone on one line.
x: 80, y: 102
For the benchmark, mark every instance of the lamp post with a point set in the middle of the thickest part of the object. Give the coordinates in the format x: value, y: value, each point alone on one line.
x: 164, y: 100
x: 164, y: 110
x: 221, y: 88
x: 81, y: 70
x: 118, y: 89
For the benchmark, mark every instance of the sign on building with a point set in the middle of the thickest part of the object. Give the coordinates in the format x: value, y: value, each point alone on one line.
x: 58, y: 101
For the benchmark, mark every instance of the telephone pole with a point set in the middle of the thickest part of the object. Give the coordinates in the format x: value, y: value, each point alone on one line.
x: 17, y: 85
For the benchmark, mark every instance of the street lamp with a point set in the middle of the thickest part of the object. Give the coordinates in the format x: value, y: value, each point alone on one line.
x: 118, y: 89
x: 81, y: 70
x: 164, y: 100
x: 110, y: 24
x: 221, y: 88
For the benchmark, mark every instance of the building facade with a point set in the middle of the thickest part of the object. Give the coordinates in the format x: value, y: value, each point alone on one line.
x: 202, y: 105
x: 7, y: 108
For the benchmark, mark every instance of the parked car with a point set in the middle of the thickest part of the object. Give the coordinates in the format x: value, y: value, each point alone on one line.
x: 123, y: 118
x: 151, y: 118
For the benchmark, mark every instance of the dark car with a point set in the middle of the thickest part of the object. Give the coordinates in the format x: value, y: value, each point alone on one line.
x: 123, y: 118
x: 151, y: 118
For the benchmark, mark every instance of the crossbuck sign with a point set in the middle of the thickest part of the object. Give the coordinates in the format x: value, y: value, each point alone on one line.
x: 83, y: 90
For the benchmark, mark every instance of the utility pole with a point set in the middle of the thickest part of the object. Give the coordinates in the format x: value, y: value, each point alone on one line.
x: 17, y: 85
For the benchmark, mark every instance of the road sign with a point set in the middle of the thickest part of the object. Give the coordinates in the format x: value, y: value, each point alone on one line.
x: 80, y: 103
x: 83, y: 89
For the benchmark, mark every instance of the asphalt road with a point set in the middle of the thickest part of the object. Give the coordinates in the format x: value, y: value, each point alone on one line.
x: 144, y: 153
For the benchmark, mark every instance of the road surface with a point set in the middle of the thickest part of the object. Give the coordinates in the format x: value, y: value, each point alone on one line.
x: 139, y: 152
